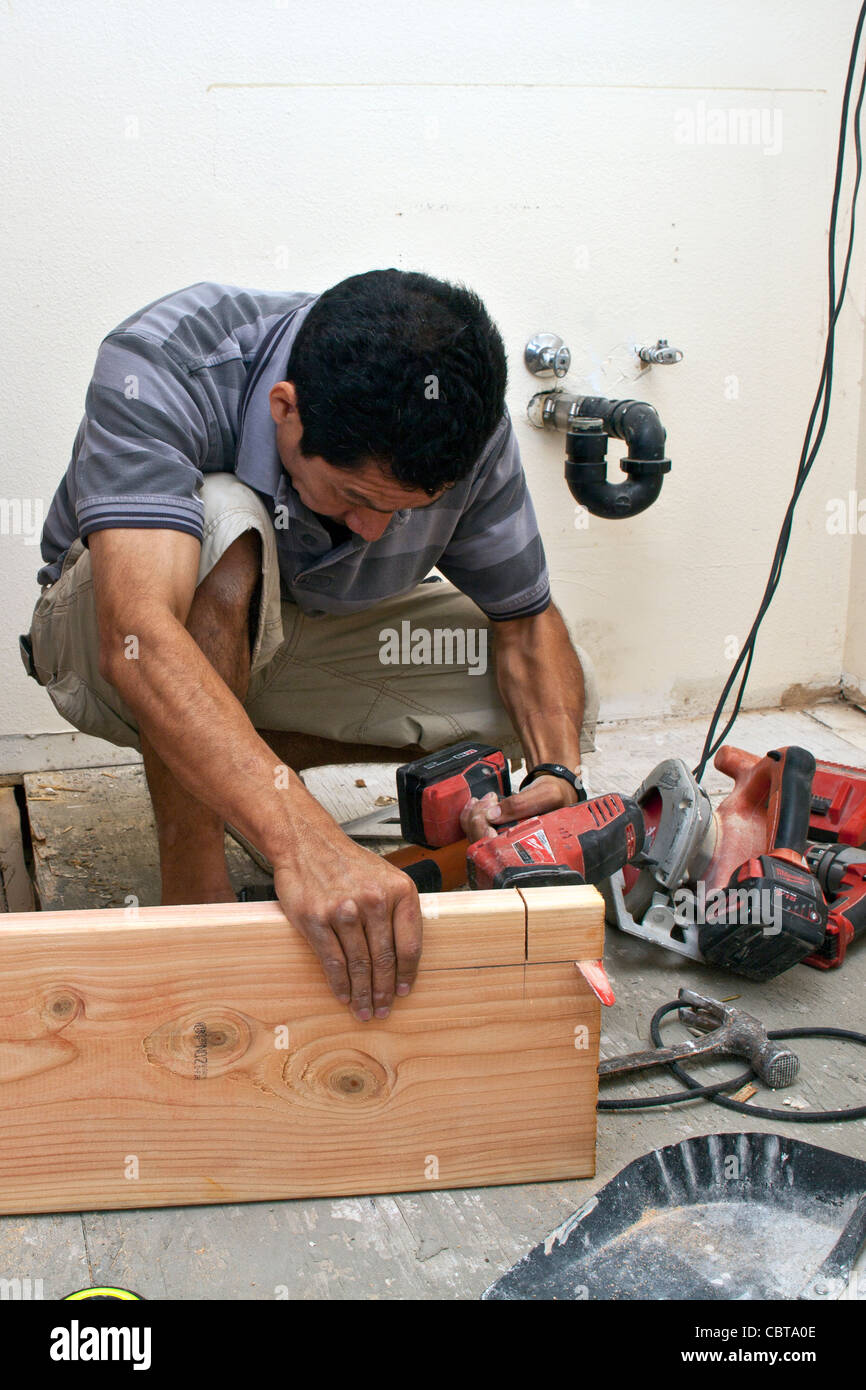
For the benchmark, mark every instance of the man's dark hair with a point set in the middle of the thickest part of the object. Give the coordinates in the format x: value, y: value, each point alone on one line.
x: 401, y: 368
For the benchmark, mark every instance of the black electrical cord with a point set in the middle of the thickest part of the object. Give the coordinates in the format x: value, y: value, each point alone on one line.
x: 695, y: 1090
x: 822, y: 402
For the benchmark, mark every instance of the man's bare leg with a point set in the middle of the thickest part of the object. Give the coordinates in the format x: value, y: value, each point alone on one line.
x: 191, y: 836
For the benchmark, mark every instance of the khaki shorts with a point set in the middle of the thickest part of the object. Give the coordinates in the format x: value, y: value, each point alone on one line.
x: 332, y: 676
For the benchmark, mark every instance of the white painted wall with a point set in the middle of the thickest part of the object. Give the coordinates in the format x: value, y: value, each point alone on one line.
x: 854, y: 670
x: 531, y: 151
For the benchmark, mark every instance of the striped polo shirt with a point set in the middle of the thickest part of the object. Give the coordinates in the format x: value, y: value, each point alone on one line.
x: 180, y: 390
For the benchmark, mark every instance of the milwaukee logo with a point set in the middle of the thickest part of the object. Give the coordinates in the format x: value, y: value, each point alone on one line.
x: 535, y: 848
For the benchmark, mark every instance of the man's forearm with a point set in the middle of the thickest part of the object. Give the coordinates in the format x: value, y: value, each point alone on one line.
x: 358, y: 913
x: 541, y: 685
x: 203, y: 735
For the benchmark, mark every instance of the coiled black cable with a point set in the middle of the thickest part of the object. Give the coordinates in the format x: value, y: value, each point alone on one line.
x: 713, y: 1092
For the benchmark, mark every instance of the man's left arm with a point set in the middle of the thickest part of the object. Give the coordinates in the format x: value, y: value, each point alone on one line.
x: 541, y: 685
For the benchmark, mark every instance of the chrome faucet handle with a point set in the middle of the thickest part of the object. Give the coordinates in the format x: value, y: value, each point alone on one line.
x: 660, y: 355
x: 546, y: 355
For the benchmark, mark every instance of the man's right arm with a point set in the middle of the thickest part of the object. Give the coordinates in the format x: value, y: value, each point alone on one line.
x: 360, y: 915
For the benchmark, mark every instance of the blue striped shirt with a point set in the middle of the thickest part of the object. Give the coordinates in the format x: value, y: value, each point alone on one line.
x: 180, y: 390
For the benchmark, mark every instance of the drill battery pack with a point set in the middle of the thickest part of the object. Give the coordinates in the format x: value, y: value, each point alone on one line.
x: 772, y: 916
x: 432, y: 791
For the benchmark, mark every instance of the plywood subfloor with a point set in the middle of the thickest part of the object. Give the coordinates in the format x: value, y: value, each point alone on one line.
x: 452, y: 1244
x: 94, y: 840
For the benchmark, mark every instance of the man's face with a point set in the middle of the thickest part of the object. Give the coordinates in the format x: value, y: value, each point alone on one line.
x: 364, y: 499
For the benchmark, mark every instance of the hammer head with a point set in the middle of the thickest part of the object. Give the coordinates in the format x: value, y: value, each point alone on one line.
x: 741, y: 1035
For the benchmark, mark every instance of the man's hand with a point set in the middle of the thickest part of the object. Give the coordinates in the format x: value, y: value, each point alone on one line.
x: 481, y: 819
x: 360, y: 915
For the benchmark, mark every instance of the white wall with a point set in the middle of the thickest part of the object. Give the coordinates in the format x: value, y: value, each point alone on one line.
x: 535, y: 152
x: 854, y: 673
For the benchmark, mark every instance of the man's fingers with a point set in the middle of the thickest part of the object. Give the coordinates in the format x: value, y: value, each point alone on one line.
x: 376, y: 910
x: 408, y: 931
x: 350, y: 932
x: 480, y: 819
x: 522, y: 805
x: 368, y: 941
x: 545, y: 794
x: 327, y: 947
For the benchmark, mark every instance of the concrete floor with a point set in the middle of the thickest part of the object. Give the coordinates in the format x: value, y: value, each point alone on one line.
x: 453, y: 1244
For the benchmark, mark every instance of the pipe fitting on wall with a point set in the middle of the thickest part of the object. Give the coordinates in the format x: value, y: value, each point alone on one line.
x: 588, y: 422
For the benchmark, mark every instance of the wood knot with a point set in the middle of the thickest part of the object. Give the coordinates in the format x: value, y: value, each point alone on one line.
x: 201, y: 1045
x: 347, y: 1076
x: 61, y: 1008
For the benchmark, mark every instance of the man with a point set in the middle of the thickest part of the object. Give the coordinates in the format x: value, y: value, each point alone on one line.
x: 258, y: 490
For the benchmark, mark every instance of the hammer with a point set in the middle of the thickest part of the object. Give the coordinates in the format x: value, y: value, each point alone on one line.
x: 728, y: 1032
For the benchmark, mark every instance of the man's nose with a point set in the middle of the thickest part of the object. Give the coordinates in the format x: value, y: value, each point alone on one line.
x: 367, y: 524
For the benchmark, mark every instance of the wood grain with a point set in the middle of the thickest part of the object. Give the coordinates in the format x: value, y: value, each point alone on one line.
x: 196, y: 1055
x: 563, y: 923
x: 461, y: 929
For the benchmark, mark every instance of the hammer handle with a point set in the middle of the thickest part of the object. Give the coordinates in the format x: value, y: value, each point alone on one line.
x: 659, y: 1056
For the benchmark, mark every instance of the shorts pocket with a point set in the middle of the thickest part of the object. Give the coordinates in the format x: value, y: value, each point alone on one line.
x: 86, y: 711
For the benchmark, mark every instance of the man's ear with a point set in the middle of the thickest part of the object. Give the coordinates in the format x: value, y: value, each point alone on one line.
x: 283, y: 400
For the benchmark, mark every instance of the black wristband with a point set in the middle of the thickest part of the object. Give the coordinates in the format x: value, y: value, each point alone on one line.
x: 555, y: 770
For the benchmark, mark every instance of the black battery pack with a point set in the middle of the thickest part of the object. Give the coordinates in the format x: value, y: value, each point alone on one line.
x: 772, y: 915
x: 432, y: 791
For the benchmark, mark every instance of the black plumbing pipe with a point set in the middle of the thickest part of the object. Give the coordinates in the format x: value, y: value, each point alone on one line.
x: 591, y: 419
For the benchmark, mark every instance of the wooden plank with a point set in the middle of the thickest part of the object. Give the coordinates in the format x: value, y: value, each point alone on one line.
x: 17, y: 885
x: 22, y: 753
x: 564, y: 923
x: 196, y: 1055
x: 461, y: 929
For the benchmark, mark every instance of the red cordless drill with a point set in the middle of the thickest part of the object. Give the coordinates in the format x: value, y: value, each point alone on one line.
x: 841, y: 872
x: 577, y: 844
